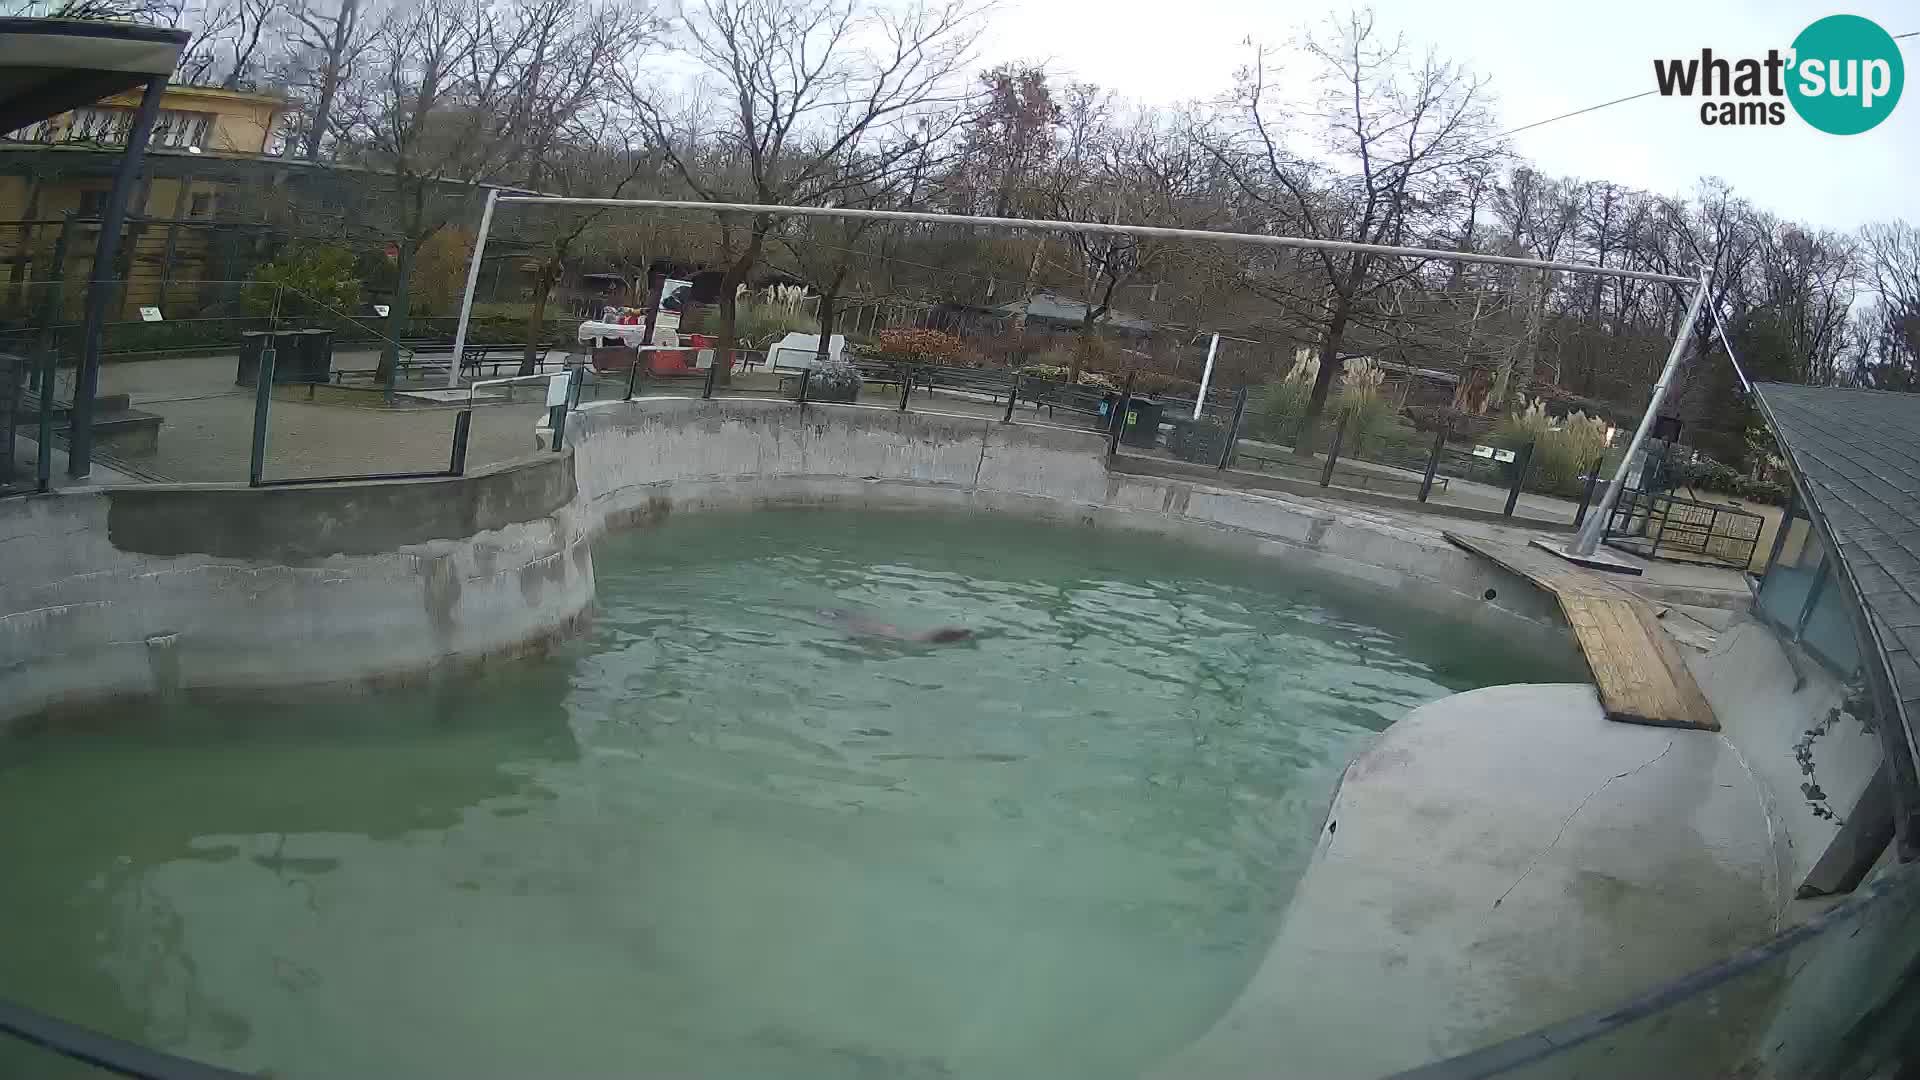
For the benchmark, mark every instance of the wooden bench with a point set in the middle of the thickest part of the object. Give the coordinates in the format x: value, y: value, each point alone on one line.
x: 433, y: 355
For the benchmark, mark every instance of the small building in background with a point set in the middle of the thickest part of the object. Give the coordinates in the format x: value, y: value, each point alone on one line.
x: 208, y: 146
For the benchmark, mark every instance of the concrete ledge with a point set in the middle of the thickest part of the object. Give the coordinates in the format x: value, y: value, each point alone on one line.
x: 643, y: 460
x: 1503, y: 859
x: 298, y: 525
x: 167, y: 590
x: 1145, y: 466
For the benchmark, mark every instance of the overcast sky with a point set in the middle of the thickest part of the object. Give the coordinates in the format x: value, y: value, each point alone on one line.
x: 1545, y: 58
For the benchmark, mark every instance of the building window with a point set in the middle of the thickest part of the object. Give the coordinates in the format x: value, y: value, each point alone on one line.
x: 106, y: 127
x: 202, y: 205
x: 93, y: 204
x: 1803, y: 597
x: 180, y: 130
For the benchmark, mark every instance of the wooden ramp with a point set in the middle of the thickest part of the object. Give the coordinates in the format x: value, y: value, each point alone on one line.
x: 1638, y: 668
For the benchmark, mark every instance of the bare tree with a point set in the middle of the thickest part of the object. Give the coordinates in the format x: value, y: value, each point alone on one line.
x: 1397, y: 137
x: 324, y: 43
x: 1541, y: 214
x: 806, y: 88
x: 156, y: 12
x: 1139, y: 171
x: 425, y: 109
x: 233, y: 42
x: 1889, y: 356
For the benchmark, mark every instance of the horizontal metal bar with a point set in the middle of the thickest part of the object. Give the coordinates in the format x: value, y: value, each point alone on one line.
x: 103, y: 1051
x: 296, y: 481
x: 1050, y: 225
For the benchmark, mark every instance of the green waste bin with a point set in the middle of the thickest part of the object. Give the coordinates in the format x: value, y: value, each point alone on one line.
x: 1141, y: 425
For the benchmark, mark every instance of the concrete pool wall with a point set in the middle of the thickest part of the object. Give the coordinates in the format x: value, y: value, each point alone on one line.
x: 664, y: 455
x: 145, y: 591
x: 203, y: 588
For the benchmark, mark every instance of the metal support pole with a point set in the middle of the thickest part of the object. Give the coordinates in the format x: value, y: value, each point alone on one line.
x: 1118, y: 421
x: 706, y: 391
x: 101, y: 280
x: 1098, y: 228
x: 1233, y: 429
x: 473, y: 281
x: 1520, y: 466
x: 1206, y: 377
x: 1588, y: 538
x: 656, y: 286
x: 43, y: 468
x: 462, y: 423
x: 1333, y: 450
x: 806, y: 377
x: 633, y: 372
x: 262, y: 404
x: 906, y: 386
x: 1013, y: 392
x: 1586, y: 495
x: 51, y: 307
x: 1780, y: 531
x: 1433, y: 460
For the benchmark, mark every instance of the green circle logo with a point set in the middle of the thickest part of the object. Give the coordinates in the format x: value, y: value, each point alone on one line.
x: 1846, y: 74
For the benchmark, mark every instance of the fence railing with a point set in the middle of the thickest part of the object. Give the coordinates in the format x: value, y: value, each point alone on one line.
x: 1671, y: 527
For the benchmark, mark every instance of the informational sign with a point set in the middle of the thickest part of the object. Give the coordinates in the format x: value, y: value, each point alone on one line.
x: 703, y: 359
x: 1493, y: 452
x: 381, y: 310
x: 557, y: 389
x: 150, y: 314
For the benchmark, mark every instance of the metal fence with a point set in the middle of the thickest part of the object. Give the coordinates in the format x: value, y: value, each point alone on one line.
x: 1669, y: 527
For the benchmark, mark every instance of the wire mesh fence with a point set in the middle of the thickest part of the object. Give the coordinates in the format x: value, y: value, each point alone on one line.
x: 356, y: 393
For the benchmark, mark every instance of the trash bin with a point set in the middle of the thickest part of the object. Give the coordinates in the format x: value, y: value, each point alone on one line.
x: 312, y: 358
x: 252, y: 344
x: 299, y: 356
x: 1141, y: 425
x: 1200, y: 441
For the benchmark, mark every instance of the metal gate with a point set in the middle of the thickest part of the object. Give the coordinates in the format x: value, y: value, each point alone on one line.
x: 1670, y: 527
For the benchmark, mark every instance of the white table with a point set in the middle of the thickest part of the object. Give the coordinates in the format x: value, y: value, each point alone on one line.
x: 593, y: 331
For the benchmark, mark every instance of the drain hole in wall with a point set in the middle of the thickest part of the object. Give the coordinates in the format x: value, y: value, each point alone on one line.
x: 1488, y: 595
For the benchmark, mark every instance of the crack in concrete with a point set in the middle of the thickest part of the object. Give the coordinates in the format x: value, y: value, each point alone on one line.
x: 1568, y: 820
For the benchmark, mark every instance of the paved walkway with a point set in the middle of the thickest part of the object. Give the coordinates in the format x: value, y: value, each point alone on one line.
x: 207, y: 425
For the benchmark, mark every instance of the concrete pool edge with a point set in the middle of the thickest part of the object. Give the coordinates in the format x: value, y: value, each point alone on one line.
x: 144, y: 591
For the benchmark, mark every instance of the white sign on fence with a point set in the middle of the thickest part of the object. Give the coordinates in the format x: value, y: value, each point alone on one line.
x: 150, y: 314
x: 381, y: 310
x: 1493, y: 452
x: 557, y: 389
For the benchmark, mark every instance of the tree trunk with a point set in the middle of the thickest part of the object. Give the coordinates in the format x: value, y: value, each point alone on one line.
x: 1330, y: 338
x: 730, y: 303
x: 343, y: 25
x: 1082, y: 348
x: 397, y: 313
x: 1026, y: 288
x: 826, y: 314
x: 537, y: 319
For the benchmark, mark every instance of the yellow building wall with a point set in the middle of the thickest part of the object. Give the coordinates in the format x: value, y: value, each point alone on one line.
x: 242, y: 122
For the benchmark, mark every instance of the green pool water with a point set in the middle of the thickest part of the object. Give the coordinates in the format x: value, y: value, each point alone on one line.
x: 721, y: 835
